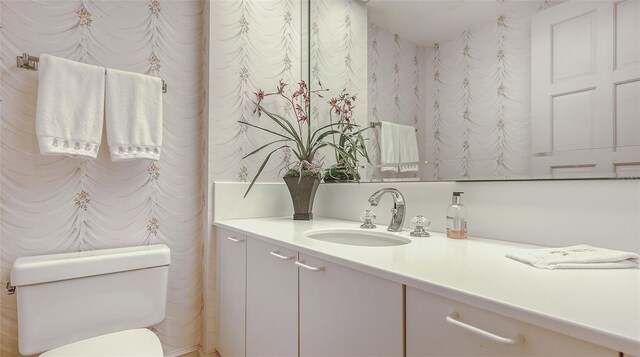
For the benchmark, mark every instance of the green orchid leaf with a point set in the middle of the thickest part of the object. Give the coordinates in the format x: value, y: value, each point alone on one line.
x: 264, y: 146
x: 322, y: 128
x: 264, y: 163
x: 327, y: 133
x: 280, y: 120
x: 288, y: 127
x: 264, y: 129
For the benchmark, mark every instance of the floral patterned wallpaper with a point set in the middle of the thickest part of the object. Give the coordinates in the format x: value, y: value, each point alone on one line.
x: 254, y: 44
x: 54, y: 204
x: 338, y: 58
x: 478, y: 100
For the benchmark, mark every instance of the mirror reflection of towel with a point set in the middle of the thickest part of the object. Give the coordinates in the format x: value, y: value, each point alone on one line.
x: 398, y: 144
x: 408, y: 148
x: 388, y: 151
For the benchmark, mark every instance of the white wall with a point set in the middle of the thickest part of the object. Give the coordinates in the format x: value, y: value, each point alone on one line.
x: 550, y: 213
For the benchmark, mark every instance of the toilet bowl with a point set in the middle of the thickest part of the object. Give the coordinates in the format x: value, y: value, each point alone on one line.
x: 129, y: 343
x: 93, y: 303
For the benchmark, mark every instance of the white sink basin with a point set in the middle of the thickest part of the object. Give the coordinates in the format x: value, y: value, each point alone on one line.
x: 357, y: 236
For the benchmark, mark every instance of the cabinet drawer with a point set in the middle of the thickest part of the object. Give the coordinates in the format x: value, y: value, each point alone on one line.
x: 437, y: 326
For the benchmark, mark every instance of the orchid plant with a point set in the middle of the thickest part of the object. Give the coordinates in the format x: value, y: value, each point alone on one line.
x: 350, y: 140
x: 343, y: 136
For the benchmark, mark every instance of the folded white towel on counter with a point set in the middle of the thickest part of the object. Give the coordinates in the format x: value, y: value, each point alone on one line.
x: 70, y: 107
x: 133, y: 111
x: 576, y: 257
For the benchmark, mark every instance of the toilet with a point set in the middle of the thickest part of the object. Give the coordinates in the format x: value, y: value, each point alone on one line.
x: 93, y: 303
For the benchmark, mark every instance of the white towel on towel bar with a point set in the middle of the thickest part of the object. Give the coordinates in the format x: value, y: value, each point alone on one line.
x: 133, y: 112
x: 576, y: 257
x: 70, y: 107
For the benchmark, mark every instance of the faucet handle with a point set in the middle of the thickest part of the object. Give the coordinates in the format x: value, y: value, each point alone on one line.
x: 367, y: 217
x: 419, y: 225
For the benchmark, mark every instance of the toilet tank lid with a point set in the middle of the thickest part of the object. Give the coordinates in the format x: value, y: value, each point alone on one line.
x: 55, y: 267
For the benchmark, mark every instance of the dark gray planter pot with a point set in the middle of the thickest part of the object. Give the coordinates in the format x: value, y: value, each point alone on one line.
x: 303, y: 191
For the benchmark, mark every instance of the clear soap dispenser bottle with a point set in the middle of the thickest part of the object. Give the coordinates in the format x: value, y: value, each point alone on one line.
x: 456, y: 218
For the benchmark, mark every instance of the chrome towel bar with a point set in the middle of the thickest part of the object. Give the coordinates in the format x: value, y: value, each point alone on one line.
x: 31, y: 62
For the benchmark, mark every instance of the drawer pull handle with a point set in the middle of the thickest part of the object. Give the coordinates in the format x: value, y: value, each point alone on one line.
x: 308, y: 267
x: 280, y: 256
x: 235, y: 240
x: 453, y: 319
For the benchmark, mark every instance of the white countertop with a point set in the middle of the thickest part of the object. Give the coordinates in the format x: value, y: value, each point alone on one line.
x: 600, y: 306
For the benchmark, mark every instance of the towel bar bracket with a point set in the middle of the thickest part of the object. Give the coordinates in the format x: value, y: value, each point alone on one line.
x: 27, y: 62
x: 10, y: 288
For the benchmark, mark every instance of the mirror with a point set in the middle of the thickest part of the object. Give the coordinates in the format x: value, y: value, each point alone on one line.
x: 491, y: 89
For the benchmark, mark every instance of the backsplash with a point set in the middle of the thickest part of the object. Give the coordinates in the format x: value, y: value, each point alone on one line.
x: 603, y: 213
x: 57, y: 204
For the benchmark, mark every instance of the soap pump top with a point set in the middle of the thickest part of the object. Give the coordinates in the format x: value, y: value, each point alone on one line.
x: 455, y: 199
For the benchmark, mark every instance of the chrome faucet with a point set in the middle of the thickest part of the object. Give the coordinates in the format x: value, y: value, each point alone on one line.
x: 397, y: 212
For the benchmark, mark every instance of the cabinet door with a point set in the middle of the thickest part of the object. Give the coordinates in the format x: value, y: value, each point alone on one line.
x: 437, y: 326
x: 231, y: 257
x: 272, y: 300
x: 344, y: 312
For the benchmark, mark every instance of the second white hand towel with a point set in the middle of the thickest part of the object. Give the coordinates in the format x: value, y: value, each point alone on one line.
x: 70, y: 107
x: 389, y: 154
x: 133, y: 112
x: 408, y: 148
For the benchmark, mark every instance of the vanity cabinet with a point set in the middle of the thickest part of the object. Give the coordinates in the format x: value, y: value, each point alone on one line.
x: 231, y: 273
x: 344, y: 312
x: 277, y: 301
x: 289, y: 297
x: 437, y: 326
x: 272, y: 300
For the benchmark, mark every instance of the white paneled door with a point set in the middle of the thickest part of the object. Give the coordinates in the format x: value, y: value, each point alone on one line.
x: 586, y: 89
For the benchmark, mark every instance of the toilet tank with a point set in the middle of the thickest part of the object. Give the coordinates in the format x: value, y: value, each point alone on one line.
x: 64, y: 298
